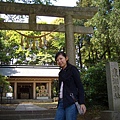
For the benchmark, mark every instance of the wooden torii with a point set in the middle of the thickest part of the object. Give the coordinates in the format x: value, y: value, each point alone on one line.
x: 33, y: 10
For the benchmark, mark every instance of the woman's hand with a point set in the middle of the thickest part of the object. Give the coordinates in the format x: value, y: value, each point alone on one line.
x: 83, y: 108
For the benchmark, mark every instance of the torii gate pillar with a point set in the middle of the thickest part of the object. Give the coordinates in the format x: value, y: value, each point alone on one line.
x: 69, y: 39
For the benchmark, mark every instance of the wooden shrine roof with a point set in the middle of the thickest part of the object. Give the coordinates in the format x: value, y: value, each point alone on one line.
x: 34, y: 71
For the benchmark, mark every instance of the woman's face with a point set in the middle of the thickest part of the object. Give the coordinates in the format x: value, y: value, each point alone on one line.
x: 62, y: 61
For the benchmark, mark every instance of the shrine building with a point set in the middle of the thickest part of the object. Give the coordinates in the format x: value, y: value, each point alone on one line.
x: 30, y: 82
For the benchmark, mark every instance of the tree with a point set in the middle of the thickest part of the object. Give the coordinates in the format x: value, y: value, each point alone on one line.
x: 94, y: 78
x: 10, y: 42
x: 104, y: 25
x: 104, y: 43
x: 58, y: 39
x: 83, y: 43
x: 4, y: 57
x: 103, y: 46
x: 4, y: 85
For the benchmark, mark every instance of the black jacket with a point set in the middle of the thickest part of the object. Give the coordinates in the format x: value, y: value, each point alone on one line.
x: 71, y: 80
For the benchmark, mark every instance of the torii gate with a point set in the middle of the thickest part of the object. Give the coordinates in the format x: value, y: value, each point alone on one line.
x: 33, y: 10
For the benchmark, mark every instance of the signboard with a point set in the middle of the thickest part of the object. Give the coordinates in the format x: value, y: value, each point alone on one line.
x: 8, y: 94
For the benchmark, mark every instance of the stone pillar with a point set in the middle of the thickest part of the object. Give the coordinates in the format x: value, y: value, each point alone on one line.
x: 69, y: 39
x: 113, y: 86
x: 34, y: 90
x: 15, y: 90
x: 47, y: 86
x: 49, y: 89
x: 32, y: 21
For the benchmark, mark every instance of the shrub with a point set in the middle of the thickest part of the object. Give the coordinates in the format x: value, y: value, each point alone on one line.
x: 95, y: 85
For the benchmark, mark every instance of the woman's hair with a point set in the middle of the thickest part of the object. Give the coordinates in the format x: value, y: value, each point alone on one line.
x: 60, y: 53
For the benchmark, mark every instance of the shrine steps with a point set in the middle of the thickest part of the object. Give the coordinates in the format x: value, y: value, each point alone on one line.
x: 28, y: 115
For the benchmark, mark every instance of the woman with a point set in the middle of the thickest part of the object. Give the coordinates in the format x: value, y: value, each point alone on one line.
x: 69, y: 82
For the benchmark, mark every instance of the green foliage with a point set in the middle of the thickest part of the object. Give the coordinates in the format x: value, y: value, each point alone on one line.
x: 4, y: 57
x: 12, y: 51
x: 9, y: 41
x: 55, y: 89
x: 103, y: 46
x: 104, y: 43
x: 84, y: 3
x: 94, y: 81
x: 58, y: 39
x: 4, y: 83
x: 106, y: 31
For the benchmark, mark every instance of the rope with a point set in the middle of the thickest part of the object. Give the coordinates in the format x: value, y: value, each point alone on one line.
x: 35, y: 36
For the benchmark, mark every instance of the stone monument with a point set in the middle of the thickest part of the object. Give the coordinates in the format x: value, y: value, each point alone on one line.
x: 113, y: 87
